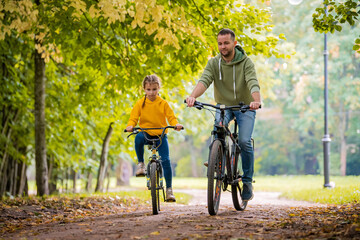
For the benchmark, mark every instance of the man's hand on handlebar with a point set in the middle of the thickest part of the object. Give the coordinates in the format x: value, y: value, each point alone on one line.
x: 255, y: 105
x: 190, y: 101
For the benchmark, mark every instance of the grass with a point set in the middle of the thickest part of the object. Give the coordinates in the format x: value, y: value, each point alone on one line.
x: 305, y: 188
x: 310, y: 188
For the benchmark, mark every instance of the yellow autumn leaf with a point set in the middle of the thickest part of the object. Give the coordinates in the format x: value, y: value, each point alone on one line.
x: 131, y: 11
x: 155, y: 233
x: 156, y: 13
x: 139, y: 15
x: 151, y: 28
x: 79, y: 6
x: 133, y: 23
x: 150, y: 3
x: 93, y: 12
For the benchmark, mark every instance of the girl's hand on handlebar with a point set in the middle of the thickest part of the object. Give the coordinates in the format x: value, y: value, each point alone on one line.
x: 129, y: 128
x: 255, y: 105
x: 178, y: 127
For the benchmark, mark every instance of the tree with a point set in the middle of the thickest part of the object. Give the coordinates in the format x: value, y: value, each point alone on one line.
x: 339, y: 13
x: 97, y: 53
x: 298, y: 106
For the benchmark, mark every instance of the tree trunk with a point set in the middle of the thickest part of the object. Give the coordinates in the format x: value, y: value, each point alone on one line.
x: 7, y: 131
x: 103, y: 160
x: 14, y: 177
x: 52, y: 175
x: 90, y: 175
x: 89, y: 181
x: 108, y: 177
x: 4, y: 177
x: 40, y: 140
x: 74, y: 180
x: 67, y: 180
x: 343, y: 146
x: 22, y: 181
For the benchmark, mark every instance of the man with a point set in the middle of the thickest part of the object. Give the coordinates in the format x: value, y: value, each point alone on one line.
x: 234, y: 78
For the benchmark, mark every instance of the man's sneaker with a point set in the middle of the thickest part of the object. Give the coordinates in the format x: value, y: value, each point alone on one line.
x: 169, y: 195
x: 140, y: 170
x: 206, y: 164
x: 247, y: 193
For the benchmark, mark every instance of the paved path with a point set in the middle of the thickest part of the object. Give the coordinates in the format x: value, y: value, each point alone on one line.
x: 260, y: 198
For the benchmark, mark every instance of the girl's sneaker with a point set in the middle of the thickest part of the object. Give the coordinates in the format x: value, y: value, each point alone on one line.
x: 169, y: 195
x: 140, y: 170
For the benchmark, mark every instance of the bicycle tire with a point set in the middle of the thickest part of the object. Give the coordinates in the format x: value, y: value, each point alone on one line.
x: 154, y: 179
x: 236, y: 189
x: 214, y: 173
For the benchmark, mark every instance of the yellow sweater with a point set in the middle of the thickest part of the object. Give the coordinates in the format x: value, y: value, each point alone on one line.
x: 152, y: 115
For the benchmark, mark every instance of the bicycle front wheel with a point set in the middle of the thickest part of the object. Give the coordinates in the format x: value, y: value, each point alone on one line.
x: 214, y: 177
x: 236, y: 189
x: 154, y: 179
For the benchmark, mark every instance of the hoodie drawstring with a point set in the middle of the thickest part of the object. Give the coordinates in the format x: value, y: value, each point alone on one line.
x: 234, y: 85
x: 234, y: 81
x: 220, y: 68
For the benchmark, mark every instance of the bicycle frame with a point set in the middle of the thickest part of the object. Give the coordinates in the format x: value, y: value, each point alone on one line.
x: 221, y: 133
x: 154, y: 171
x: 221, y: 158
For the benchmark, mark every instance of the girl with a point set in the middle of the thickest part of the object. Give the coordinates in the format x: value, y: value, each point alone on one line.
x: 152, y: 111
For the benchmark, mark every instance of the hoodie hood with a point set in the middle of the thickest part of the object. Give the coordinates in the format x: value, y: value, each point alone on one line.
x: 240, y: 55
x: 233, y: 81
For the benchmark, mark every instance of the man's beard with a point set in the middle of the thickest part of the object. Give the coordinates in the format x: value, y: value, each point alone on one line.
x: 228, y: 54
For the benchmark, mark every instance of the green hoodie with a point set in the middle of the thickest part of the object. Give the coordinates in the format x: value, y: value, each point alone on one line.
x: 233, y: 82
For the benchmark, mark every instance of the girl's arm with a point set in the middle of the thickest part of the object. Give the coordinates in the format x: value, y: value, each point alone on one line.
x: 134, y: 117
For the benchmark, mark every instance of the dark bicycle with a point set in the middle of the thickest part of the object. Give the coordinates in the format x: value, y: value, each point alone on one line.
x: 224, y: 154
x: 154, y: 171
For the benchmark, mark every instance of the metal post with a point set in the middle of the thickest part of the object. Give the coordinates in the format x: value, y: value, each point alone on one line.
x: 326, y: 139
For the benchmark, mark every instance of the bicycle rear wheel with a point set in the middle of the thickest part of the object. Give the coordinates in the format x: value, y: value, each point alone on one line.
x: 236, y: 189
x: 155, y: 179
x: 214, y: 177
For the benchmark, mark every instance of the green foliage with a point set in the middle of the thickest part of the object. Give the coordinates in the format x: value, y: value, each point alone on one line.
x: 289, y: 129
x: 97, y: 54
x: 337, y: 15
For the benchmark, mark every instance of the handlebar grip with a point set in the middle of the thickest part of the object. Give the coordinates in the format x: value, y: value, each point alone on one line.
x: 195, y: 103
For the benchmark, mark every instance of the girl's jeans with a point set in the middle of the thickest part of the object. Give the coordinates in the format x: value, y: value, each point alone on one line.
x: 163, y: 150
x: 245, y: 123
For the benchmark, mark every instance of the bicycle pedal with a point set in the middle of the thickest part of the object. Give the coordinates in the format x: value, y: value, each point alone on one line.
x: 140, y: 175
x: 170, y: 200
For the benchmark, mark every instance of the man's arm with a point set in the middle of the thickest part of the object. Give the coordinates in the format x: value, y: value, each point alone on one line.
x: 257, y: 101
x: 197, y: 92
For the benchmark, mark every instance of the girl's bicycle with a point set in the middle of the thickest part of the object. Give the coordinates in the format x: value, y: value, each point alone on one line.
x: 154, y: 171
x: 224, y: 154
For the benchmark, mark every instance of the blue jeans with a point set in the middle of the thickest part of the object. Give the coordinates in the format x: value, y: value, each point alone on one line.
x: 163, y: 150
x: 245, y: 123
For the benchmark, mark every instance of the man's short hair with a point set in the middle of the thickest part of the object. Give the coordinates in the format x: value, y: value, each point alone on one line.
x: 226, y: 31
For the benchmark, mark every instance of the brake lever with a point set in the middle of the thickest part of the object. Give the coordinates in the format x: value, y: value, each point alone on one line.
x: 135, y: 132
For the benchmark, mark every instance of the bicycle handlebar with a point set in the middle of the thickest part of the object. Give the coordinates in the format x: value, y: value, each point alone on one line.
x: 136, y: 130
x: 242, y: 107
